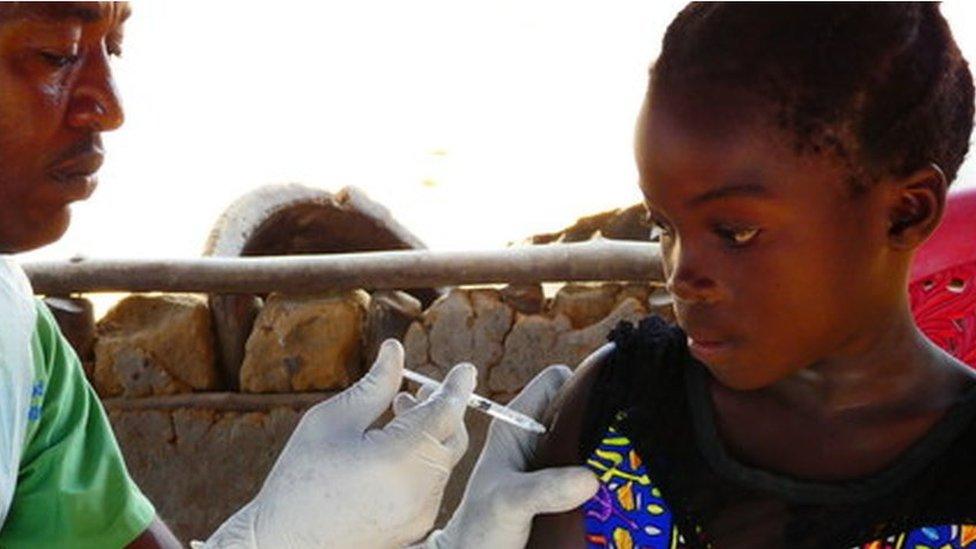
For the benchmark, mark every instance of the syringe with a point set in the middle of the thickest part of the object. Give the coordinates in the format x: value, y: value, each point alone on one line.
x: 489, y: 407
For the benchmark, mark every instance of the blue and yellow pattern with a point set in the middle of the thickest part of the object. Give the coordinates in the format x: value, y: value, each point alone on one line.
x: 628, y: 511
x: 948, y: 536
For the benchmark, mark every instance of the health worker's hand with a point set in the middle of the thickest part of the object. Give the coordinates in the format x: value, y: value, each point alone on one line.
x: 338, y: 483
x: 501, y: 497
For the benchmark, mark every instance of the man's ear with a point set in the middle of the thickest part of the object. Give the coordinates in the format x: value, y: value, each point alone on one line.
x: 915, y: 207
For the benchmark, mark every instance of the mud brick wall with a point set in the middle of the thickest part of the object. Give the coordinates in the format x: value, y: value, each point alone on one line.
x: 198, y: 463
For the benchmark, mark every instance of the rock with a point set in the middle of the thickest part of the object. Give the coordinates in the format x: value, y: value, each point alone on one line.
x: 637, y: 291
x: 448, y: 325
x: 527, y: 299
x: 294, y: 219
x: 76, y: 319
x: 416, y: 347
x: 573, y: 346
x: 536, y: 342
x: 585, y: 304
x: 628, y: 224
x: 306, y: 343
x: 528, y: 349
x: 621, y: 223
x: 155, y: 345
x: 390, y: 314
x: 467, y: 326
x: 492, y: 322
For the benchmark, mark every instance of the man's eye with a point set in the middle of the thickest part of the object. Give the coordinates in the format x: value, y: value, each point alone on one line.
x: 59, y: 60
x: 738, y: 237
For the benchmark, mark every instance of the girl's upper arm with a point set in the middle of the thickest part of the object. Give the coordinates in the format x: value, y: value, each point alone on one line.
x: 560, y: 447
x: 564, y: 418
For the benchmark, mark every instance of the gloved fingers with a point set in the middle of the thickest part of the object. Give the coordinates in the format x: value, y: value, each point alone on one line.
x: 535, y: 397
x: 553, y: 490
x: 457, y: 444
x: 442, y: 414
x: 402, y: 402
x: 441, y: 455
x: 358, y: 406
x: 510, y: 446
x: 425, y: 391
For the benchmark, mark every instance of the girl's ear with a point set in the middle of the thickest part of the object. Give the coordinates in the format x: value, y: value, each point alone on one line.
x: 915, y: 206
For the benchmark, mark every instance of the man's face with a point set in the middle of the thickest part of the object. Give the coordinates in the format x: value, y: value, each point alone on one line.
x: 57, y: 95
x: 773, y: 266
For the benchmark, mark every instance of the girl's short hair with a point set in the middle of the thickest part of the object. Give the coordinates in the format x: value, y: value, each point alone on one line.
x: 881, y: 84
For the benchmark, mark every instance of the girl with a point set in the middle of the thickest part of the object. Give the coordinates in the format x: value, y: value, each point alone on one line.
x: 792, y: 158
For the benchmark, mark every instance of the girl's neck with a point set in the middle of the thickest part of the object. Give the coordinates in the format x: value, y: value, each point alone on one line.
x: 894, y: 369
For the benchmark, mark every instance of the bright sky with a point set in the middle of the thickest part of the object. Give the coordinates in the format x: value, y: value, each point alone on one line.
x: 476, y: 123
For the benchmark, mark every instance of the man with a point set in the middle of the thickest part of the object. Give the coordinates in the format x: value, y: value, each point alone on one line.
x: 336, y: 483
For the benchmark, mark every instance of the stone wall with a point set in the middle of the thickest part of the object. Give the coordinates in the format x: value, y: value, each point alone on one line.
x: 199, y: 463
x: 200, y: 451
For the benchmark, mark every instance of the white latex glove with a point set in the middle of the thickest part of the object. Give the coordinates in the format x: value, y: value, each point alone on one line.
x: 501, y: 498
x: 337, y: 484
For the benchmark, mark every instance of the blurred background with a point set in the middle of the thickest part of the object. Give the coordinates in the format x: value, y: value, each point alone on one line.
x: 475, y: 123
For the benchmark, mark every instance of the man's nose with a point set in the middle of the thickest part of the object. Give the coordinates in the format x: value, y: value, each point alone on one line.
x: 687, y: 278
x: 95, y: 102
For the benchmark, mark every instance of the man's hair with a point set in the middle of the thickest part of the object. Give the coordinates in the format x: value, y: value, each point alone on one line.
x: 881, y: 84
x: 84, y: 11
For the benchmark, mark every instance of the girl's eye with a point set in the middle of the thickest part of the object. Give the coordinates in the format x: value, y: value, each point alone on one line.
x: 738, y: 237
x: 658, y: 232
x: 655, y: 233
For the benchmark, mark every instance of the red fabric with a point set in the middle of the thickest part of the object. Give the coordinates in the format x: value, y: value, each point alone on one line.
x: 942, y: 286
x: 953, y: 242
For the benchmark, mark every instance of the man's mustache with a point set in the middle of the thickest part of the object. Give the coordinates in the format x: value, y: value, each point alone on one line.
x: 90, y: 145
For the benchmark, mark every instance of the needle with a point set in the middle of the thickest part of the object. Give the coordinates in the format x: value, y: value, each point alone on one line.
x: 489, y: 407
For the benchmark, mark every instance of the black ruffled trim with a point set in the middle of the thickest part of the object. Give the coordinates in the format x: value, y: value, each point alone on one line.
x: 644, y: 371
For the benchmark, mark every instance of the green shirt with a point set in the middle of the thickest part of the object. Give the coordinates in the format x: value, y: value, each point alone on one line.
x: 72, y: 489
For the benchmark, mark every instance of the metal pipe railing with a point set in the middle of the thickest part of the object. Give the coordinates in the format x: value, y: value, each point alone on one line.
x: 587, y: 261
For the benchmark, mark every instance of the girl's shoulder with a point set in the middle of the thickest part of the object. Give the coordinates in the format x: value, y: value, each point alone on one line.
x: 642, y: 365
